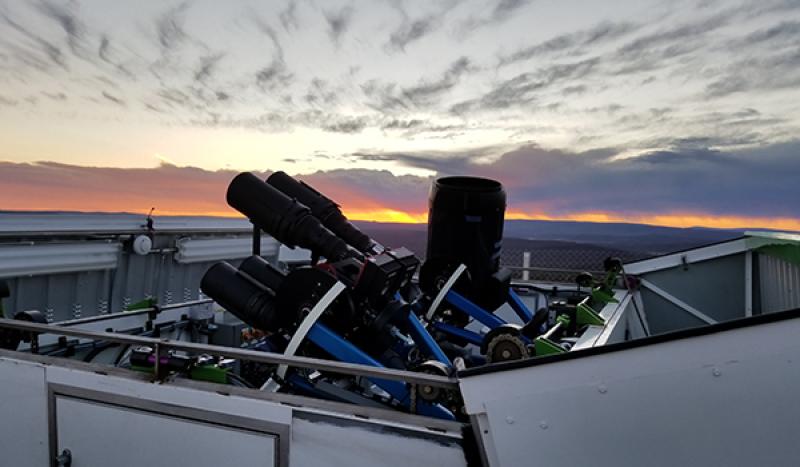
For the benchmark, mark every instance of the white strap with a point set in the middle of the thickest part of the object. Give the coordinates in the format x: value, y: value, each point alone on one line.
x: 447, y: 286
x: 299, y: 335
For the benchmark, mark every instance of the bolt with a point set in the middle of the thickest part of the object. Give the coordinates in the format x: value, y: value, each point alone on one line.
x: 510, y: 420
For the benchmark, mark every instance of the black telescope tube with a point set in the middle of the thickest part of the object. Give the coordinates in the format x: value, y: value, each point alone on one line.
x: 324, y: 209
x: 246, y: 299
x: 266, y: 274
x: 286, y: 219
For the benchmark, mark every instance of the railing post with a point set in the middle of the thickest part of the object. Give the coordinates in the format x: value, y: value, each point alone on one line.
x: 526, y: 263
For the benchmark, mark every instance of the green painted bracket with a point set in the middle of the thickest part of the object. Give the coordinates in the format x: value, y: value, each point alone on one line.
x: 143, y: 369
x: 602, y: 297
x: 564, y: 320
x: 584, y: 314
x: 146, y: 303
x: 544, y: 346
x: 210, y: 373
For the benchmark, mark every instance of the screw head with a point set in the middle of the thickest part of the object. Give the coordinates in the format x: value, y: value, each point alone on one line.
x: 543, y: 425
x: 602, y: 389
x: 716, y: 372
x: 510, y: 420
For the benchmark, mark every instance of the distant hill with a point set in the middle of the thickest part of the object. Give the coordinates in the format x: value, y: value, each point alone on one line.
x: 640, y: 239
x: 561, y: 245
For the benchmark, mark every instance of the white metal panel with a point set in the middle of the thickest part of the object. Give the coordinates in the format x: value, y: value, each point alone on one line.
x: 677, y: 301
x: 616, y: 323
x: 101, y: 435
x: 178, y: 396
x: 751, y: 241
x: 779, y: 283
x: 214, y: 249
x: 720, y: 399
x: 316, y: 443
x: 27, y: 259
x: 23, y: 411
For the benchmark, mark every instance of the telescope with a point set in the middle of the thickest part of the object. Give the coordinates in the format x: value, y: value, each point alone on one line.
x: 357, y: 303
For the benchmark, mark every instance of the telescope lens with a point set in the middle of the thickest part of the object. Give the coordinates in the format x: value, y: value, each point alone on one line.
x: 248, y: 301
x: 323, y: 209
x: 286, y: 219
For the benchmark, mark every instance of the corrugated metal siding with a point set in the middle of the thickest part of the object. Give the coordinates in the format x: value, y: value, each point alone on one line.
x: 779, y: 283
x: 76, y: 294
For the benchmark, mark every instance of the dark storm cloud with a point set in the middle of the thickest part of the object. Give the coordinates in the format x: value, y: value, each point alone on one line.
x: 760, y: 182
x: 338, y: 23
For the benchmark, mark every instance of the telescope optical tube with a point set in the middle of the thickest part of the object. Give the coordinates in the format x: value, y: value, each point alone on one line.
x: 324, y: 209
x: 286, y: 219
x: 248, y: 300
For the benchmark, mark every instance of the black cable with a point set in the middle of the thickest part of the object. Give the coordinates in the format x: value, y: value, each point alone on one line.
x: 97, y: 350
x: 240, y: 380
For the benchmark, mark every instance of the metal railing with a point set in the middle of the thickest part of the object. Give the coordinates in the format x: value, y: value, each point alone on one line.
x: 160, y: 346
x: 138, y: 311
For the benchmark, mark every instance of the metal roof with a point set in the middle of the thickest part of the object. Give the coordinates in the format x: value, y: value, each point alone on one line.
x: 43, y: 223
x: 750, y: 241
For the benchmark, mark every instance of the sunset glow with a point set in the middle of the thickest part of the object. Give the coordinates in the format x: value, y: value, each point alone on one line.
x: 676, y: 114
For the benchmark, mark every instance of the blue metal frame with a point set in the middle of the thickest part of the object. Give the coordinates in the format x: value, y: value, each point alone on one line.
x: 344, y: 351
x: 469, y: 336
x: 519, y: 307
x: 483, y: 316
x: 425, y: 341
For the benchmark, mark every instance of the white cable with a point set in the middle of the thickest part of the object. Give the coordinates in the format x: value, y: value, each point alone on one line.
x: 271, y: 385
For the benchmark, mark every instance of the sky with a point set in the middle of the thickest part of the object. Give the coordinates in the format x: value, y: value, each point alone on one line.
x: 676, y: 113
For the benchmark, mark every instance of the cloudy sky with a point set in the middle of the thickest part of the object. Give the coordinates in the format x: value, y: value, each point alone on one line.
x: 667, y: 112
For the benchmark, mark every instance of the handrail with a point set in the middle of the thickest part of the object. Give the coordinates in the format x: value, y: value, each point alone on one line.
x: 138, y: 311
x: 161, y: 345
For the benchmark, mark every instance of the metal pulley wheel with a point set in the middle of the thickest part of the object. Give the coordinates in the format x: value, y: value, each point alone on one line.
x: 432, y: 367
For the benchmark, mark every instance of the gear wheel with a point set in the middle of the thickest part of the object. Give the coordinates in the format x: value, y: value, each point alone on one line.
x: 432, y: 367
x: 506, y: 347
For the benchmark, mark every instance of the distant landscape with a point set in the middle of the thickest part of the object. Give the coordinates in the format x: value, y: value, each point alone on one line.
x: 565, y: 245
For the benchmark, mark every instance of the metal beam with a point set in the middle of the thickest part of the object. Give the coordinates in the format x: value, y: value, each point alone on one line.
x: 252, y: 355
x: 677, y: 301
